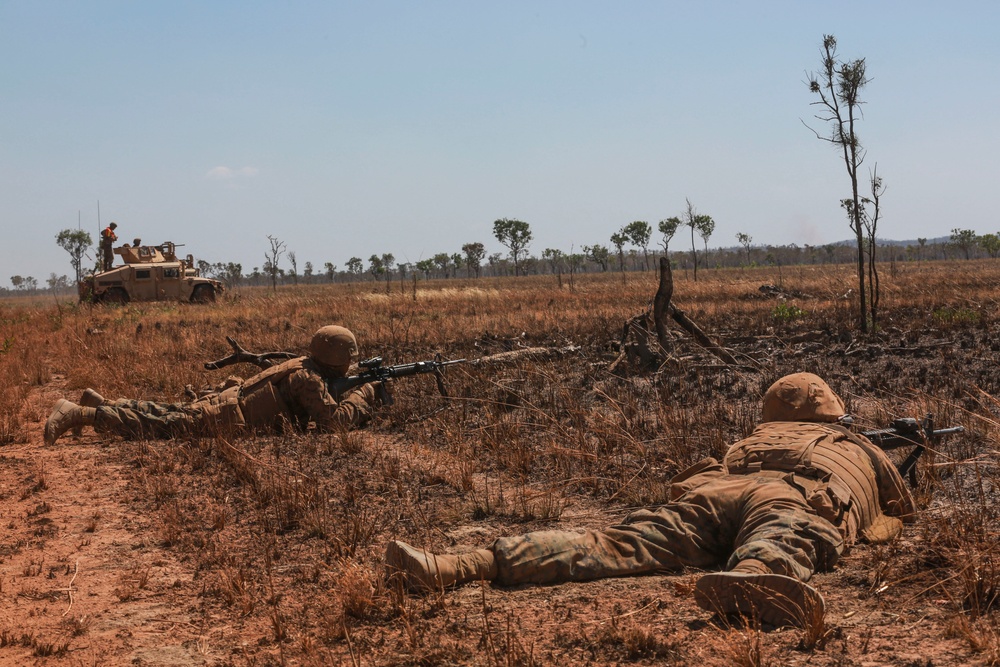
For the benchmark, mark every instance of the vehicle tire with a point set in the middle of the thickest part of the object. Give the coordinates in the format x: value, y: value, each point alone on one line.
x: 203, y: 294
x: 115, y: 295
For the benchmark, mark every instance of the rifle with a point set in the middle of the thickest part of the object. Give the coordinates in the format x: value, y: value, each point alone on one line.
x: 374, y: 371
x: 905, y: 432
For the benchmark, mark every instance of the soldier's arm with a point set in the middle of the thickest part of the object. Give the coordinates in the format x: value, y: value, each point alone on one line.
x: 308, y: 390
x: 893, y: 496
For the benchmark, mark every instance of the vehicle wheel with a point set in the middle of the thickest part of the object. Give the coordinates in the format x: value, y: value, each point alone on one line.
x: 115, y: 295
x: 203, y: 294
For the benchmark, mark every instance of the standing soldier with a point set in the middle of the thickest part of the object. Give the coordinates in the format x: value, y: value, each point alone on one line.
x: 108, y: 238
x: 294, y: 392
x: 785, y: 503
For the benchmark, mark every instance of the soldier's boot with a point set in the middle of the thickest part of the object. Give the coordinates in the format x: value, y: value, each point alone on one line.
x: 65, y: 416
x: 423, y: 571
x: 751, y: 591
x: 89, y: 399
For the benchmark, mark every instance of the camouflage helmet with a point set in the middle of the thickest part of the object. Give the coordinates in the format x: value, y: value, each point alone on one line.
x: 802, y: 397
x: 333, y: 346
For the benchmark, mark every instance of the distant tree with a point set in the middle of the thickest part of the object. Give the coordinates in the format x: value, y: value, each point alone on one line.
x: 403, y: 268
x: 991, y: 244
x: 425, y: 265
x: 638, y: 234
x: 745, y: 240
x: 56, y: 283
x: 375, y: 266
x: 668, y: 228
x: 355, y: 266
x: 443, y: 261
x: 921, y: 243
x: 618, y: 240
x: 271, y: 258
x: 496, y: 263
x: 838, y: 88
x: 331, y: 270
x: 233, y: 273
x: 17, y: 282
x: 388, y: 263
x: 307, y: 272
x: 515, y: 235
x: 30, y: 283
x: 75, y: 242
x: 701, y: 224
x: 295, y: 267
x: 705, y: 230
x: 965, y: 240
x: 555, y: 259
x: 474, y: 254
x: 598, y: 254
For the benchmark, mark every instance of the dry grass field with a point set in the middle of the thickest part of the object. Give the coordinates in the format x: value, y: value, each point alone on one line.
x: 268, y: 550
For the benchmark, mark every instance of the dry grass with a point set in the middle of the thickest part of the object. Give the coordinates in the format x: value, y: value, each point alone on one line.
x: 286, y: 533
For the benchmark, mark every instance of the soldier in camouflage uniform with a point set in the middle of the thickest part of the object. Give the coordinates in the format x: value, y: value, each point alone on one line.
x: 294, y: 392
x: 785, y: 502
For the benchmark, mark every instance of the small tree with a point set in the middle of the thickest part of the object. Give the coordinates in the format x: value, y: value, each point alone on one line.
x: 443, y: 261
x: 618, y: 240
x: 355, y: 266
x: 474, y: 254
x: 307, y: 272
x: 991, y: 244
x: 706, y: 226
x: 331, y: 270
x: 965, y: 240
x: 17, y: 282
x: 515, y: 235
x: 838, y: 88
x: 555, y: 259
x: 425, y: 265
x: 271, y: 258
x: 75, y: 242
x: 703, y: 225
x: 375, y: 266
x: 668, y: 228
x: 638, y: 234
x: 598, y: 254
x: 295, y: 267
x: 745, y: 240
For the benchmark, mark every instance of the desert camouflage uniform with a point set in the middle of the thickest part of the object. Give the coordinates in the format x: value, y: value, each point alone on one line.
x: 291, y: 392
x: 788, y: 500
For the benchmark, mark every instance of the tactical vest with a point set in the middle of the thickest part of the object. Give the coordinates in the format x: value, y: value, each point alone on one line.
x: 828, y: 464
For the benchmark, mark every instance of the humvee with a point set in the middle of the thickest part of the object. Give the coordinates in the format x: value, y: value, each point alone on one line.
x: 150, y: 273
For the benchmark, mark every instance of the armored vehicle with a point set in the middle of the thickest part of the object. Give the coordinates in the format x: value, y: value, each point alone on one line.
x: 149, y: 273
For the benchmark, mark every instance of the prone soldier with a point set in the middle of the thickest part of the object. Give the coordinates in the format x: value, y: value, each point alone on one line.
x: 784, y: 503
x: 294, y: 391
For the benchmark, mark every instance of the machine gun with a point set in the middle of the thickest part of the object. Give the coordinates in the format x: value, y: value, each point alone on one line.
x: 374, y: 371
x: 908, y: 432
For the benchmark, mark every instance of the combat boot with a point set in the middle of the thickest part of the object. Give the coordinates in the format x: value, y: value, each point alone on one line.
x: 424, y: 571
x: 65, y: 416
x: 770, y: 599
x: 91, y: 399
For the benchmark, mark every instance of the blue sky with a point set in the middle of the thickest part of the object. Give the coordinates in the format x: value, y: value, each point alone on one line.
x: 350, y: 129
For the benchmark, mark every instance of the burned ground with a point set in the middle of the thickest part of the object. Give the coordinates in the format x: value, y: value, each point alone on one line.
x: 268, y: 550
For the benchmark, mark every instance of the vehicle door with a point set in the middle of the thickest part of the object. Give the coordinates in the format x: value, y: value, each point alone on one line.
x: 169, y: 281
x: 143, y: 283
